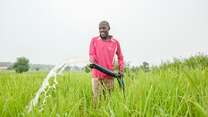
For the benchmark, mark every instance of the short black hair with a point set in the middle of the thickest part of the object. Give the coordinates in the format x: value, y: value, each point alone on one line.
x: 104, y: 22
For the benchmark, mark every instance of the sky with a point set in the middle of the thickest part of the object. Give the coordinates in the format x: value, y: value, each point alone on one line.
x: 50, y: 31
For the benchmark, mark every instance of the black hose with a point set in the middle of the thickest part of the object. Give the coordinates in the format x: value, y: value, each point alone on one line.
x: 111, y: 73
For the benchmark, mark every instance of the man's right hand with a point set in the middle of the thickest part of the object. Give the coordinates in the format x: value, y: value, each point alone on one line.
x: 120, y: 74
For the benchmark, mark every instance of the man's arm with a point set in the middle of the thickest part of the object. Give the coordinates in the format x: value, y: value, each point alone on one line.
x: 92, y: 52
x: 120, y: 58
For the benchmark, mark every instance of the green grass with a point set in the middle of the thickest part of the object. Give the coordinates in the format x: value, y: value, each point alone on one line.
x: 161, y: 92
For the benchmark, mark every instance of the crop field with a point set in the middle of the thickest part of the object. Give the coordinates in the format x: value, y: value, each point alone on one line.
x: 179, y: 89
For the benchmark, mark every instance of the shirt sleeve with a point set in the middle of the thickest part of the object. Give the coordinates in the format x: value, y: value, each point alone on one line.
x: 120, y: 58
x: 92, y: 52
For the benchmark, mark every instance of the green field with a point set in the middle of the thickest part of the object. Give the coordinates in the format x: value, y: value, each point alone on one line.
x: 171, y: 90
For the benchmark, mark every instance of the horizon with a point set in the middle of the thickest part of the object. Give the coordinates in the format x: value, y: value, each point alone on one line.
x: 83, y: 62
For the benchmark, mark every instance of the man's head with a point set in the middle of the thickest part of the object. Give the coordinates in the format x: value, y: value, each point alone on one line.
x: 104, y: 28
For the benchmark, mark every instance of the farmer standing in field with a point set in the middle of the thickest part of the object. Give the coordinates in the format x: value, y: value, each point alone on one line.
x: 103, y: 49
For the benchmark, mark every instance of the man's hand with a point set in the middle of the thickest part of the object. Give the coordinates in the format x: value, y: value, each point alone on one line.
x: 120, y: 74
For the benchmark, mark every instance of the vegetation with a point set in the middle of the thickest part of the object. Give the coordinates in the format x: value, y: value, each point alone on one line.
x: 21, y: 65
x: 177, y: 89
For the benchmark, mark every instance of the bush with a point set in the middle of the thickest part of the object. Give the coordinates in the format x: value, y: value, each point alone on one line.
x: 21, y: 65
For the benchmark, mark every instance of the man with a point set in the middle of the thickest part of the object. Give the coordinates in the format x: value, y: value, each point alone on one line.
x: 103, y: 49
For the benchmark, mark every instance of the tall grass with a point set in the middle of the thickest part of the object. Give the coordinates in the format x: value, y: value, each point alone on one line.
x: 173, y: 91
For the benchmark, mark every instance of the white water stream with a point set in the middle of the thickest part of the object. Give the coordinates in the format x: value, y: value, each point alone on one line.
x: 46, y: 86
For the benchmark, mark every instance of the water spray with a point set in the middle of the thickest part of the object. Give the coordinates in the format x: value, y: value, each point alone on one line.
x: 46, y: 86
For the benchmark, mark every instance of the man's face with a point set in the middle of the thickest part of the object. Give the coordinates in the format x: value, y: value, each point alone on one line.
x: 103, y: 29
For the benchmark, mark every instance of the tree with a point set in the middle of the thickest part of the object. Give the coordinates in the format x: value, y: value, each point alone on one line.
x: 21, y: 65
x: 37, y: 68
x: 145, y: 66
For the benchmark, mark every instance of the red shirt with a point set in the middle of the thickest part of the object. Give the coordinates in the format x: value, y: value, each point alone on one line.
x: 103, y: 52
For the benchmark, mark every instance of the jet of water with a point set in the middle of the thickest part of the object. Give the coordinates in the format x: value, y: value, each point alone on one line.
x: 46, y: 87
